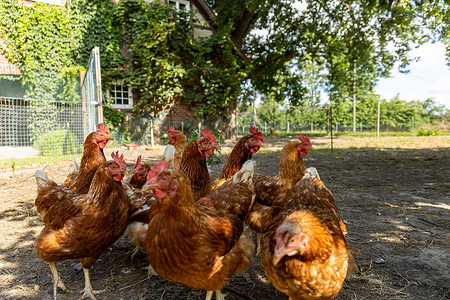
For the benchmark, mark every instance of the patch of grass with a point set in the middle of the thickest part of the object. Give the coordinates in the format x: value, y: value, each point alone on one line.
x: 13, y: 163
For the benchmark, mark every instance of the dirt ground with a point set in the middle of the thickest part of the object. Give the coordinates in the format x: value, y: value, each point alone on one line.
x: 393, y: 195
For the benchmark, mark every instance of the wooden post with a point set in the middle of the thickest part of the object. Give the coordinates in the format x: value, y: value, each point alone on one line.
x: 354, y: 99
x: 331, y: 128
x: 378, y: 121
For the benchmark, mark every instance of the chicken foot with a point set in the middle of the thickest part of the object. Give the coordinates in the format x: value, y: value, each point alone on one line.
x: 57, y: 281
x: 219, y: 295
x: 258, y: 243
x: 88, y: 292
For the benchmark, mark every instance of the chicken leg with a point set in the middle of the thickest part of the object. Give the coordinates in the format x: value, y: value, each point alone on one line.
x: 88, y: 292
x: 219, y: 295
x: 57, y: 281
x: 258, y: 243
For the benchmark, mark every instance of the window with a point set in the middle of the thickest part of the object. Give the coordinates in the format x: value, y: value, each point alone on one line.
x: 179, y: 4
x: 121, y: 94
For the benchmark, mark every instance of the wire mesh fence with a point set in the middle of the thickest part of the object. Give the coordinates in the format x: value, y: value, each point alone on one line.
x: 32, y: 128
x: 53, y: 126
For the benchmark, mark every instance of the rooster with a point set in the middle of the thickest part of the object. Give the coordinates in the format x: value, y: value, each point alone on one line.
x: 139, y: 176
x: 273, y: 190
x: 82, y: 227
x: 93, y: 157
x: 304, y: 252
x: 174, y: 152
x: 242, y: 152
x: 198, y: 245
x: 193, y: 162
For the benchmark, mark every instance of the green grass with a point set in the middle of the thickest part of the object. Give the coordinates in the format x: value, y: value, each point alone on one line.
x: 337, y: 134
x: 12, y: 163
x: 347, y: 133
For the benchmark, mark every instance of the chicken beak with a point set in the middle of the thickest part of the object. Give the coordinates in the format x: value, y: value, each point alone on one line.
x: 278, y: 254
x: 148, y: 186
x: 109, y: 138
x: 216, y: 147
x: 262, y: 145
x: 124, y: 172
x: 312, y: 148
x: 276, y: 258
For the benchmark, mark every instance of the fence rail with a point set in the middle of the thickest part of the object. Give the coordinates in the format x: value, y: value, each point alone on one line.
x: 318, y: 128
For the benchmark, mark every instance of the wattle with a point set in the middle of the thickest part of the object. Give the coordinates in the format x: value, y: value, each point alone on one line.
x: 118, y: 177
x: 208, y: 153
x: 159, y: 193
x: 102, y: 144
x: 254, y: 149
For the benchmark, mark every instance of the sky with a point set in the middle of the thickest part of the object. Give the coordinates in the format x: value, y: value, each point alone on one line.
x: 428, y: 78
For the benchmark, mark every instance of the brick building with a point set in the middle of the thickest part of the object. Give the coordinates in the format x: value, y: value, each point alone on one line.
x: 178, y: 114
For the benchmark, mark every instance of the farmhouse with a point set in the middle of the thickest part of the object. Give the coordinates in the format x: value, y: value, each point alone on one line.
x: 122, y: 96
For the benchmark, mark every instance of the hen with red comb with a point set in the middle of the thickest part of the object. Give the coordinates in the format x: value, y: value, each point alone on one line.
x: 193, y: 162
x: 140, y: 171
x: 93, y: 156
x: 83, y: 226
x: 273, y: 190
x: 242, y: 152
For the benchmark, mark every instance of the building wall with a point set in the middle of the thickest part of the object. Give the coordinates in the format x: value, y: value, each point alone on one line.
x: 7, y: 68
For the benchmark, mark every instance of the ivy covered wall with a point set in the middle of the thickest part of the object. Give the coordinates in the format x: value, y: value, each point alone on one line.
x: 148, y: 45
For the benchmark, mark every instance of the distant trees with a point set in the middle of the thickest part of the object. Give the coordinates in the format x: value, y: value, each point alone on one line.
x: 395, y: 114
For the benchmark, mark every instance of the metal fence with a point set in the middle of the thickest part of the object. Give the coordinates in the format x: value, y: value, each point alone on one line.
x: 51, y: 130
x: 40, y: 128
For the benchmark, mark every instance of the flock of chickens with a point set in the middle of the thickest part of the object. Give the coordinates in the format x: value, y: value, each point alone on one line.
x: 198, y: 232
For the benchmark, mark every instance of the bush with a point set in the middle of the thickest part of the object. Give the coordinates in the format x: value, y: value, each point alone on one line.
x: 425, y: 132
x: 58, y: 142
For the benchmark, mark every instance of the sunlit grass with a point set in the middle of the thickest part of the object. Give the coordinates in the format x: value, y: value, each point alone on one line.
x: 12, y: 163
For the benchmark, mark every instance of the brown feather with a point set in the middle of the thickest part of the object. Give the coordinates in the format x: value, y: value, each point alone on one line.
x: 84, y: 226
x: 318, y: 270
x: 199, y: 245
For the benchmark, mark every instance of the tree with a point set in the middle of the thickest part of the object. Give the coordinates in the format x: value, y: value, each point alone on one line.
x: 363, y: 36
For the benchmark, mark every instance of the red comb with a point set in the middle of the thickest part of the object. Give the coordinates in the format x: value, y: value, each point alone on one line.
x: 253, y: 130
x: 304, y: 138
x: 103, y: 128
x: 157, y: 168
x: 207, y: 134
x: 138, y: 162
x: 171, y: 129
x: 119, y: 160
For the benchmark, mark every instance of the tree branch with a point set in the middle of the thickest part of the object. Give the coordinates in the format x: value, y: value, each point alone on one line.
x: 288, y: 55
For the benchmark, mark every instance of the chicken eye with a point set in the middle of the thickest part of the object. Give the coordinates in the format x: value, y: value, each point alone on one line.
x: 293, y: 240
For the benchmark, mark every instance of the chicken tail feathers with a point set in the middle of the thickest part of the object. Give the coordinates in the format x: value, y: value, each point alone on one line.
x: 41, y: 179
x: 74, y: 167
x: 245, y: 174
x: 169, y: 154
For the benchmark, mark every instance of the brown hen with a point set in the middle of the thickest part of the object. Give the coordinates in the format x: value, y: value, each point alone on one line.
x: 304, y: 252
x: 193, y: 163
x: 242, y: 152
x: 174, y: 152
x: 273, y: 190
x: 93, y: 156
x: 82, y: 227
x: 139, y: 176
x: 199, y: 245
